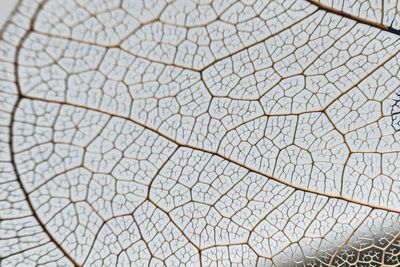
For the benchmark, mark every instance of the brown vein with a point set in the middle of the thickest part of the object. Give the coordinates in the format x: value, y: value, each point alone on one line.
x: 334, y: 196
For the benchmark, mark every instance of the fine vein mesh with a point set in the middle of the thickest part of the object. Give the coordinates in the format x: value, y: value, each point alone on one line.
x: 200, y: 133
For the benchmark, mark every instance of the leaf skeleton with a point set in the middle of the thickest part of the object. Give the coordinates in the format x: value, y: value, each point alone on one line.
x: 200, y: 133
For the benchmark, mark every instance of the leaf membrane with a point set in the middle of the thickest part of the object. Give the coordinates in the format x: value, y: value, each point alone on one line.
x: 231, y: 133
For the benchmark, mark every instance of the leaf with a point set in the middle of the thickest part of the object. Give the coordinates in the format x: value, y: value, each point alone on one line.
x: 245, y: 133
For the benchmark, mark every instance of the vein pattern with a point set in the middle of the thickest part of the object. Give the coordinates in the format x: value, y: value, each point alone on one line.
x: 200, y: 133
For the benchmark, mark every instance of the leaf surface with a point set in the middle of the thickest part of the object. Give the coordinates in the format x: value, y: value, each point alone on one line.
x: 245, y: 133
